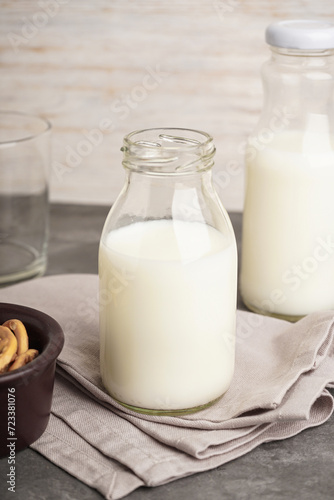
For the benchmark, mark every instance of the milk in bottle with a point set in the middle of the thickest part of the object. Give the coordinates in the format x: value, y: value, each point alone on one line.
x: 168, y: 278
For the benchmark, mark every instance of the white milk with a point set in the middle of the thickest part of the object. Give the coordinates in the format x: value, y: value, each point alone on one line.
x: 288, y: 233
x: 167, y: 320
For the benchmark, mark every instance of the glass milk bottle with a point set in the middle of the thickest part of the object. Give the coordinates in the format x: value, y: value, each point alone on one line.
x: 168, y: 278
x: 287, y: 267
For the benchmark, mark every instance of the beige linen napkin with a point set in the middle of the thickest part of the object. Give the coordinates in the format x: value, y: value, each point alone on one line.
x: 279, y: 389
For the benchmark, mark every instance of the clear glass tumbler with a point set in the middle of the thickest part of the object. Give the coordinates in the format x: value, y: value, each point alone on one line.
x: 24, y: 166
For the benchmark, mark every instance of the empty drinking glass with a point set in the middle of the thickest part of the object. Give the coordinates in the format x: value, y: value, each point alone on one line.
x: 24, y: 165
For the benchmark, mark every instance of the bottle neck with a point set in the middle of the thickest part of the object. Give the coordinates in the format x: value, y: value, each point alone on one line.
x: 168, y: 170
x: 298, y: 86
x: 145, y: 181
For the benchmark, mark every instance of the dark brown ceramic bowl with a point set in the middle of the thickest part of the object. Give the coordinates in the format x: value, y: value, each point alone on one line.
x: 26, y: 393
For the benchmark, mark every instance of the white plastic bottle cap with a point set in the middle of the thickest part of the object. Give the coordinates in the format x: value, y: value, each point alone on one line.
x: 301, y: 34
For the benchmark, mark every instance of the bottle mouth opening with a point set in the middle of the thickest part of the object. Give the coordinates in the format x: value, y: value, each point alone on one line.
x: 168, y: 151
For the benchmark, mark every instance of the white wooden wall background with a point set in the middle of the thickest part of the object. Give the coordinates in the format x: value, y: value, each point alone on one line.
x: 99, y: 69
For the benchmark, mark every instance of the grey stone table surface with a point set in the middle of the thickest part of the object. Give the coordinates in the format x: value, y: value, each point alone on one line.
x: 299, y: 468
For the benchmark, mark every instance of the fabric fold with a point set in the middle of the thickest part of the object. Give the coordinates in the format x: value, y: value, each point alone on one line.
x: 280, y: 387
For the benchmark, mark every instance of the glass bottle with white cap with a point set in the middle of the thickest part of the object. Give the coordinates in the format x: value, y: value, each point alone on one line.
x: 288, y: 230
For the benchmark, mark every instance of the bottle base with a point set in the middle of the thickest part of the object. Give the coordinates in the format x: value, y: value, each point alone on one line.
x: 286, y: 317
x: 167, y: 412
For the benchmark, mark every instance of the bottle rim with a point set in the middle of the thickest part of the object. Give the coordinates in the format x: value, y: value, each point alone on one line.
x: 283, y: 51
x: 168, y: 150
